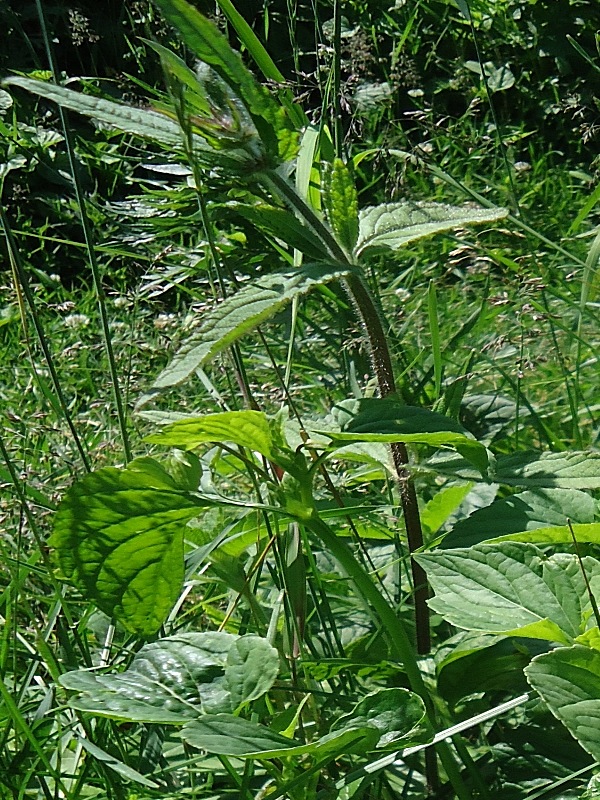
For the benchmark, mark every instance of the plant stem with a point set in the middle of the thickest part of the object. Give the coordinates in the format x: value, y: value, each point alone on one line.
x: 394, y: 629
x: 382, y: 364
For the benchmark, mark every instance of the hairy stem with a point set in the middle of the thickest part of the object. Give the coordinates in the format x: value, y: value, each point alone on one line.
x: 408, y: 497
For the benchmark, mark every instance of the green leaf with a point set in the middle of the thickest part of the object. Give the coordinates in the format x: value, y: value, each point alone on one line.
x: 341, y: 203
x: 568, y: 470
x: 539, y: 510
x: 115, y: 764
x: 252, y: 666
x: 138, y: 121
x: 251, y: 429
x: 387, y: 420
x: 227, y: 735
x: 442, y: 505
x: 511, y: 588
x: 211, y: 47
x: 483, y: 665
x: 282, y: 224
x: 241, y: 313
x: 393, y: 225
x: 263, y: 61
x: 568, y: 680
x: 119, y: 537
x: 398, y: 716
x: 177, y: 679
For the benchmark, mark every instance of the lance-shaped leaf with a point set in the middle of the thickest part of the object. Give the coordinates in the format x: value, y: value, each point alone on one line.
x: 388, y: 420
x: 179, y: 678
x: 241, y: 313
x: 282, y: 224
x: 226, y: 735
x: 568, y: 680
x: 393, y: 225
x: 341, y: 203
x: 511, y: 588
x: 570, y: 470
x: 211, y: 47
x: 137, y: 121
x: 118, y: 534
x: 542, y: 512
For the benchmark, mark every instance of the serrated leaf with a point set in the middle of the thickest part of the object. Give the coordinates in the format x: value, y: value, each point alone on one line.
x: 569, y: 470
x: 224, y: 734
x: 251, y: 429
x: 544, y: 509
x: 397, y: 714
x: 241, y: 313
x: 387, y: 420
x: 175, y: 680
x: 341, y: 203
x: 118, y: 534
x: 393, y: 225
x: 252, y: 666
x: 138, y: 121
x: 511, y: 588
x: 568, y: 680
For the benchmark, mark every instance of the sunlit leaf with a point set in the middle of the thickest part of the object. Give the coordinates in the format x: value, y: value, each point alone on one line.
x: 568, y: 679
x: 397, y: 714
x: 251, y: 429
x: 568, y: 470
x: 341, y: 203
x: 241, y: 313
x: 252, y: 666
x: 393, y: 225
x: 118, y: 534
x: 138, y: 121
x: 179, y: 678
x: 511, y: 588
x: 227, y: 735
x: 211, y: 47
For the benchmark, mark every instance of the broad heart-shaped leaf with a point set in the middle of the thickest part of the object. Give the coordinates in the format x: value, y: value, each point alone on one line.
x: 570, y: 470
x: 137, y: 121
x: 241, y: 313
x: 118, y: 534
x: 388, y: 420
x: 179, y: 678
x: 393, y: 225
x: 398, y: 716
x: 568, y: 680
x: 226, y: 735
x: 543, y: 509
x: 511, y: 588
